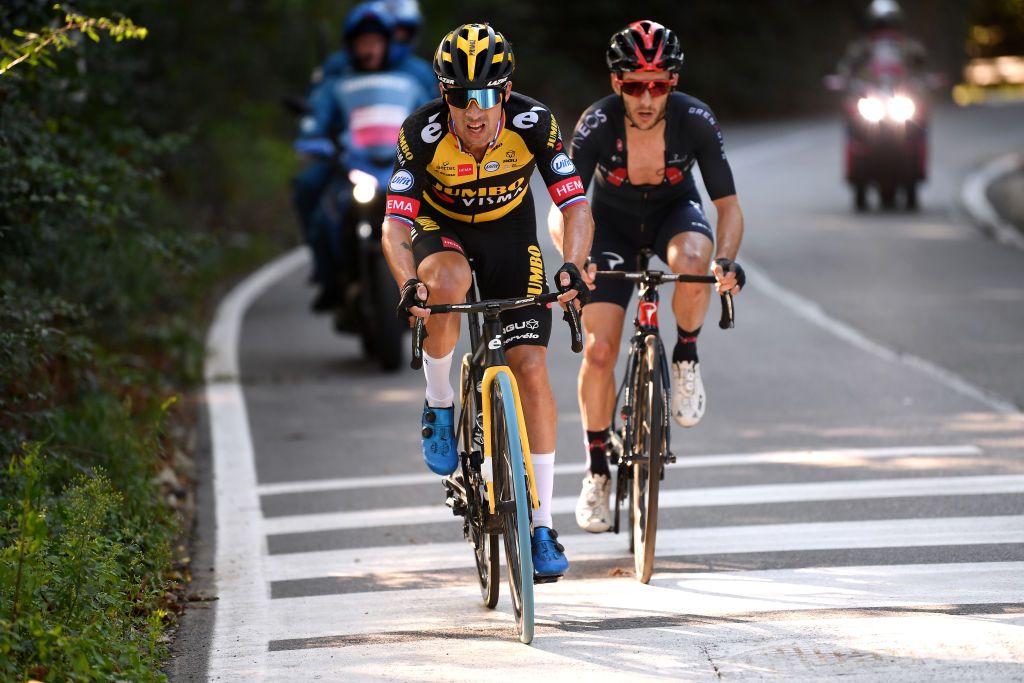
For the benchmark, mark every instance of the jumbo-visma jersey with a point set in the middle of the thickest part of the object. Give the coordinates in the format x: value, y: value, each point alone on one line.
x: 434, y: 169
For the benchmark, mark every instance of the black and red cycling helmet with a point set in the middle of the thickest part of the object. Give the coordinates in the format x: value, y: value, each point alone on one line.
x: 645, y: 45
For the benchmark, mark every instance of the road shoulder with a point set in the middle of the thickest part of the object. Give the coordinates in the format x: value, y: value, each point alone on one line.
x: 994, y: 198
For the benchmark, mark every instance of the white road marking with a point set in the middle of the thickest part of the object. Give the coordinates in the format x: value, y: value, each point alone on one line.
x: 668, y: 595
x: 815, y: 314
x: 982, y: 647
x: 239, y: 646
x: 974, y: 197
x: 866, y: 489
x: 756, y: 538
x: 831, y: 457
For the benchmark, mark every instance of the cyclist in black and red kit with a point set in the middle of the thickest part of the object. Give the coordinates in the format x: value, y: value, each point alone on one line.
x: 639, y: 146
x: 461, y: 190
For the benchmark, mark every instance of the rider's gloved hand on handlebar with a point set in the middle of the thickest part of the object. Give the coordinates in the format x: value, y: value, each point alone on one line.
x: 414, y: 295
x: 730, y: 275
x: 569, y: 278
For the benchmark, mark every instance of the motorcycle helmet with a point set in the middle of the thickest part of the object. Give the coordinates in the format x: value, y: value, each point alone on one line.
x: 367, y: 17
x: 884, y: 14
x: 474, y: 56
x: 645, y: 46
x: 408, y: 21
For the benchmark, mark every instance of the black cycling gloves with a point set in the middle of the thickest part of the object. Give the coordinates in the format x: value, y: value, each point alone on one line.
x: 730, y: 266
x: 408, y: 299
x: 576, y: 282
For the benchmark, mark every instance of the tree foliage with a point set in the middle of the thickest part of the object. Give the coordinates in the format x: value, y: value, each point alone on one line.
x: 37, y: 46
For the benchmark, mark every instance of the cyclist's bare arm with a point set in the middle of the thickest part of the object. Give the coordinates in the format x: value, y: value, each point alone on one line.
x: 575, y: 236
x: 397, y: 242
x: 728, y: 236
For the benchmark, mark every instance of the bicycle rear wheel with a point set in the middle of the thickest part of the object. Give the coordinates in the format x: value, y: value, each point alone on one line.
x: 649, y: 448
x: 513, y: 503
x: 485, y: 545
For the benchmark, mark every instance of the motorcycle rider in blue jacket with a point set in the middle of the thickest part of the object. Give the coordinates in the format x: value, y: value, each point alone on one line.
x: 408, y: 22
x: 358, y: 110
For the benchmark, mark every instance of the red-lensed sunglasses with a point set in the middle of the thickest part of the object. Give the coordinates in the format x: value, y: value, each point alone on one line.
x: 636, y: 88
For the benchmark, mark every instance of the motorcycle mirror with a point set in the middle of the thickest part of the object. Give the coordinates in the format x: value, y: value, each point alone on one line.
x: 296, y: 105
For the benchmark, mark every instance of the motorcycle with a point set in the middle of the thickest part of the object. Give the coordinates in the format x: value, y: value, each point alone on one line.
x: 348, y: 228
x: 886, y: 141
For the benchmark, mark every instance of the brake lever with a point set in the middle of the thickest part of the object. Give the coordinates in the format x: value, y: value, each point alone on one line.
x: 728, y: 319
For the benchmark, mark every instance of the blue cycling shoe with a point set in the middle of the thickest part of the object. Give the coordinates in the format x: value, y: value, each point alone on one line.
x: 439, y: 440
x: 549, y: 563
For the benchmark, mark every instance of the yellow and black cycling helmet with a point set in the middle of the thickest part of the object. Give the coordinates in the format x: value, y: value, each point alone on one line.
x: 474, y: 56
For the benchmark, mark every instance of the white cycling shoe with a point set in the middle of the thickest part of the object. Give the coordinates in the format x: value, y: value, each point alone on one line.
x: 592, y: 511
x: 688, y: 398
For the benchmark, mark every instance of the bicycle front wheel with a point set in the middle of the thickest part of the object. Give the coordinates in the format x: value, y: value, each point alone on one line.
x: 513, y: 503
x: 649, y: 450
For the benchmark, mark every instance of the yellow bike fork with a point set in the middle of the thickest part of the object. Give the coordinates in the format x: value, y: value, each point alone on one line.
x: 486, y: 467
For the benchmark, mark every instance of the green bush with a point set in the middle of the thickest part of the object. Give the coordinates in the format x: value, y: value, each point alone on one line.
x: 79, y: 604
x: 105, y: 280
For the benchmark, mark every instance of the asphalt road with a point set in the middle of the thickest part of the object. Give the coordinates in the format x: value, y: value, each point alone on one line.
x: 850, y: 505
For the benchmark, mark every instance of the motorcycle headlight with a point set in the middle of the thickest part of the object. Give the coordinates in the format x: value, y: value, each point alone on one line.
x: 871, y: 108
x: 901, y: 108
x: 364, y: 186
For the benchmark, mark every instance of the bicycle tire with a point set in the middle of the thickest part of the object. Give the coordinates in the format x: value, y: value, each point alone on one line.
x: 650, y: 440
x: 485, y: 545
x: 513, y: 503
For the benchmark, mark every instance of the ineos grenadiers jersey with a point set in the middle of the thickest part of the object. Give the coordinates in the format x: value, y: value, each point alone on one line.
x: 692, y: 136
x: 435, y: 169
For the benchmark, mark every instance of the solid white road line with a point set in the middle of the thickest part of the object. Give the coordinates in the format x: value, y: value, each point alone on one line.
x: 974, y: 197
x: 978, y: 647
x: 238, y: 649
x: 756, y: 538
x: 907, y: 487
x: 815, y: 314
x: 831, y: 457
x: 668, y: 595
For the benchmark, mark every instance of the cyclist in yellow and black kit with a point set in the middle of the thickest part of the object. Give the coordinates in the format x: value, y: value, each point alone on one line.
x: 461, y: 190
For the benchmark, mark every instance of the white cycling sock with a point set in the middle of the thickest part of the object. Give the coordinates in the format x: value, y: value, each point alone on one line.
x: 439, y: 392
x: 544, y: 470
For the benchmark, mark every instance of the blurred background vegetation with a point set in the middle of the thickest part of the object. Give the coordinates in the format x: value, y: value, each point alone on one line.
x: 138, y: 177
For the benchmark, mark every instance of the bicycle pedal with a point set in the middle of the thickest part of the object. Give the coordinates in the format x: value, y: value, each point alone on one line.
x: 537, y: 580
x: 670, y: 457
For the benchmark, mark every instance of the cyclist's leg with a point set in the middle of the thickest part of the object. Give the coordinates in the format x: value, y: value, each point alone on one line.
x: 685, y: 243
x: 508, y: 264
x: 441, y: 264
x: 615, y: 248
x: 602, y: 329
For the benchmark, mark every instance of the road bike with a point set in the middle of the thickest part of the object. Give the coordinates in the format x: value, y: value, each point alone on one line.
x: 494, y: 489
x: 640, y: 447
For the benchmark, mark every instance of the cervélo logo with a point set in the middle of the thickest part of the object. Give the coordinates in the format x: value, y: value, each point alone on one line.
x: 401, y: 181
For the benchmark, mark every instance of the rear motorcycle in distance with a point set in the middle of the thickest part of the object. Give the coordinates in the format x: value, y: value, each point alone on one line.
x: 886, y: 146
